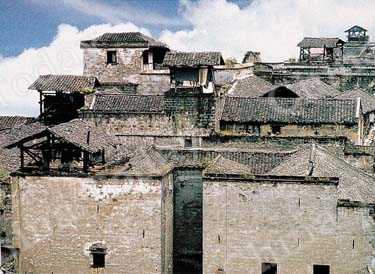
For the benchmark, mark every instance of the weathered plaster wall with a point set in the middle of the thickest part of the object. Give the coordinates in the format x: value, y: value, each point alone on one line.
x: 129, y: 61
x: 351, y: 132
x: 129, y: 68
x: 293, y: 225
x: 57, y: 219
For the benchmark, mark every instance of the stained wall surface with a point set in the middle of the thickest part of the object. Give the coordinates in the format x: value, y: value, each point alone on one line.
x: 57, y: 219
x: 290, y: 224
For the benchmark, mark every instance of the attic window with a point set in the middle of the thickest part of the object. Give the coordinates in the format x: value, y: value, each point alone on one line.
x: 111, y: 57
x: 98, y: 252
x: 269, y: 268
x: 321, y: 269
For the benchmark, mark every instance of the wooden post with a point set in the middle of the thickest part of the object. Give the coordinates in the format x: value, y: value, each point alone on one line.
x: 103, y: 156
x: 40, y: 102
x: 22, y: 156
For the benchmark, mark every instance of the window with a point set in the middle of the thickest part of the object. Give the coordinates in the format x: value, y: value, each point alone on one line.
x: 188, y: 143
x: 98, y: 260
x: 98, y: 252
x: 111, y: 57
x: 321, y: 269
x: 269, y: 268
x: 276, y: 129
x: 145, y: 57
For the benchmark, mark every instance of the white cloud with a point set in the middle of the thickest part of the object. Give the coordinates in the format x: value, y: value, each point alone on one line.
x: 62, y: 56
x: 272, y: 27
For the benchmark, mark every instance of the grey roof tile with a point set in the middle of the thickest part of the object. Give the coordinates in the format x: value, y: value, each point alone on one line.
x: 192, y: 59
x: 354, y: 184
x: 313, y: 88
x: 8, y: 122
x: 66, y: 83
x: 83, y: 134
x: 221, y: 165
x: 128, y: 103
x: 312, y: 42
x: 367, y: 100
x: 122, y: 39
x: 288, y: 110
x: 250, y: 87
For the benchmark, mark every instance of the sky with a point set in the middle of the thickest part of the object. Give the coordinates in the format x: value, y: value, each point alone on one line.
x: 42, y: 36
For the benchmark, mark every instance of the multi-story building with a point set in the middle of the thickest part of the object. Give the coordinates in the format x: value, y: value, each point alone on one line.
x: 157, y: 161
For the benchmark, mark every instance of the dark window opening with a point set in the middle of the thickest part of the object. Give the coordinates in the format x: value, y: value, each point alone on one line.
x: 111, y: 57
x: 98, y: 252
x: 276, y: 129
x: 98, y: 260
x: 145, y: 57
x: 269, y: 268
x: 188, y: 143
x: 321, y: 269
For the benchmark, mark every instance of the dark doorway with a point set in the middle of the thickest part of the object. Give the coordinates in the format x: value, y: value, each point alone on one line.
x: 269, y: 268
x: 321, y: 269
x: 187, y: 228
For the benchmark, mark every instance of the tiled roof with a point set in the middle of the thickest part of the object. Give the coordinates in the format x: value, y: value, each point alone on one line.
x: 142, y: 162
x: 309, y: 42
x: 123, y: 39
x: 288, y: 110
x: 9, y: 158
x: 193, y: 59
x: 8, y: 122
x: 21, y: 132
x: 221, y: 165
x: 356, y: 28
x: 83, y: 134
x: 66, y: 83
x: 128, y: 103
x: 313, y: 88
x: 354, y: 184
x: 259, y: 161
x: 367, y: 100
x: 250, y: 87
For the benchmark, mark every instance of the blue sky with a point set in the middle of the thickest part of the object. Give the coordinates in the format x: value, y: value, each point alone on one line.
x: 33, y: 23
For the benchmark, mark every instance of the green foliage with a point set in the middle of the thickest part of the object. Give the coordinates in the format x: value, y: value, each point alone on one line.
x: 3, y: 174
x: 247, y: 176
x: 88, y: 91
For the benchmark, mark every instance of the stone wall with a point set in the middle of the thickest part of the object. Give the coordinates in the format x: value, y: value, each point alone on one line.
x: 57, y: 219
x: 291, y: 224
